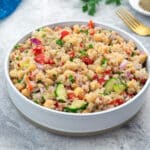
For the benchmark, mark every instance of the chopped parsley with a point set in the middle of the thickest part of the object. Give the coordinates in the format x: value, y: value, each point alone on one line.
x: 26, y: 51
x: 91, y: 46
x: 71, y: 78
x: 19, y: 81
x: 36, y: 101
x: 71, y: 59
x: 60, y: 42
x: 43, y: 99
x: 83, y: 53
x: 46, y: 86
x: 104, y: 62
x: 17, y: 46
x: 90, y: 6
x: 17, y: 58
x: 84, y: 31
x: 54, y: 76
x: 133, y: 54
x: 44, y: 35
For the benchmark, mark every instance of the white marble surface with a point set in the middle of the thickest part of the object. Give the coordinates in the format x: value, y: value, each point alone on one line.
x: 16, y: 133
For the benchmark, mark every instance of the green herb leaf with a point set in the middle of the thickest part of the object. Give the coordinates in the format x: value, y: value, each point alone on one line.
x: 133, y: 54
x: 71, y: 78
x: 118, y: 2
x: 104, y: 62
x: 43, y: 99
x: 91, y: 5
x: 71, y: 59
x: 91, y: 46
x: 36, y: 101
x: 84, y: 31
x: 19, y: 81
x: 85, y: 8
x: 83, y: 53
x: 17, y: 46
x: 60, y: 42
x: 17, y: 58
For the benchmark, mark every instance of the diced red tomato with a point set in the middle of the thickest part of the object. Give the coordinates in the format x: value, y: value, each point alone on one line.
x: 116, y: 102
x: 92, y: 32
x: 71, y: 54
x: 64, y: 33
x: 101, y: 80
x: 87, y: 60
x: 29, y: 84
x: 21, y: 49
x: 131, y: 95
x: 38, y: 50
x: 50, y: 61
x: 56, y: 105
x: 62, y: 63
x: 91, y: 24
x: 71, y: 95
x: 107, y: 72
x: 95, y: 77
x: 143, y: 81
x: 81, y: 44
x: 40, y: 58
x: 80, y: 97
x: 31, y: 76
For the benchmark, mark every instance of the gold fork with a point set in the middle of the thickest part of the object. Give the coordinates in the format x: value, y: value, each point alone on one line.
x: 132, y: 22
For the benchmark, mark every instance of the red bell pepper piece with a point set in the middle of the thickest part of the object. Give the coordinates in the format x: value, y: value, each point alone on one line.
x: 87, y: 60
x: 91, y: 24
x: 40, y: 58
x: 71, y: 95
x: 71, y: 54
x: 38, y: 50
x: 50, y: 61
x: 64, y: 33
x: 116, y: 102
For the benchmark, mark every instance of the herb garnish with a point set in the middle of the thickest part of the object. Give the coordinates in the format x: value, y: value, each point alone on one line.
x: 71, y: 78
x: 60, y: 42
x: 90, y: 5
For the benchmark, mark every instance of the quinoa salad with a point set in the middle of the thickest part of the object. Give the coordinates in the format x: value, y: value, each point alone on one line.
x: 78, y: 69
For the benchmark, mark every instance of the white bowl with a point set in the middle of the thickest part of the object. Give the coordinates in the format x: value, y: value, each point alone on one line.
x: 135, y: 5
x: 77, y: 124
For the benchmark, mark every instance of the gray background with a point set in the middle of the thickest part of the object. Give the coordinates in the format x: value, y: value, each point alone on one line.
x: 16, y: 133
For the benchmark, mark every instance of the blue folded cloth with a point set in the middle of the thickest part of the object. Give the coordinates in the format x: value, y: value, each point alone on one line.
x: 7, y: 7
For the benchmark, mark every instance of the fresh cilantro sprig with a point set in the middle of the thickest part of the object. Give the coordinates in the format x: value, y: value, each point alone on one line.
x: 90, y: 5
x: 118, y: 2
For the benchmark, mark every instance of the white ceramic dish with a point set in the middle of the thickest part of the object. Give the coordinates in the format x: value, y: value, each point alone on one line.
x: 135, y: 5
x: 77, y: 124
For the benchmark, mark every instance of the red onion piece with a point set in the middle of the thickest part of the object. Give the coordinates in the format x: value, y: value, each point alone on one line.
x: 35, y: 41
x: 123, y: 64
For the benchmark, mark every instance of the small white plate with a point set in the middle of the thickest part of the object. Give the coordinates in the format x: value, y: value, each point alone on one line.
x: 135, y: 5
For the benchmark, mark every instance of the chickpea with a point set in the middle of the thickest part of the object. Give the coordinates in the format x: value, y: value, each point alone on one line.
x: 49, y: 104
x: 25, y: 92
x: 19, y: 86
x: 79, y: 91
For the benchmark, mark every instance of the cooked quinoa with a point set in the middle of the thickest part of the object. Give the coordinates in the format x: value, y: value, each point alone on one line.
x: 80, y: 69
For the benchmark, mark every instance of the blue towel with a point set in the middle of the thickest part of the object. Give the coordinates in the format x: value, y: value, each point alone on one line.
x: 7, y: 7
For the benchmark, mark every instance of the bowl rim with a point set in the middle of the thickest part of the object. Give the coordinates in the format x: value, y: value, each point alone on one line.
x: 102, y: 25
x: 135, y: 5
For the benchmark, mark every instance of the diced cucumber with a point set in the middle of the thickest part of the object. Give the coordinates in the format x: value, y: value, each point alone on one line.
x: 60, y: 92
x: 76, y: 106
x: 119, y: 88
x: 115, y: 85
x: 109, y: 85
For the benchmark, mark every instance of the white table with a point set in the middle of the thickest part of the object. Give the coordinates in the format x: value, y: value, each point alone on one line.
x: 16, y: 133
